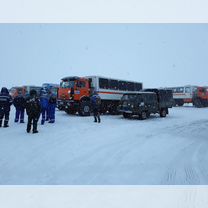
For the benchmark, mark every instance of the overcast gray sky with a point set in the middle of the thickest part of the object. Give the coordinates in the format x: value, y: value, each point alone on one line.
x: 158, y: 55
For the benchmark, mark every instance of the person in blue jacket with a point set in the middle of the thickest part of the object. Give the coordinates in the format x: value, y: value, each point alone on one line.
x: 52, y: 108
x: 5, y: 103
x: 44, y: 105
x: 19, y: 104
x: 96, y: 104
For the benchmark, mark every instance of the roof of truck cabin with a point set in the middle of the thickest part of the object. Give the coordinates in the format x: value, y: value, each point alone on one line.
x: 71, y: 77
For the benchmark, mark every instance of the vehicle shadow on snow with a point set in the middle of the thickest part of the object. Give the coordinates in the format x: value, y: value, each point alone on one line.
x: 133, y: 118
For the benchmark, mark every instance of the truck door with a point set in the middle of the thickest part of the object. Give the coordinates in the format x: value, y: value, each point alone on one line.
x: 82, y: 89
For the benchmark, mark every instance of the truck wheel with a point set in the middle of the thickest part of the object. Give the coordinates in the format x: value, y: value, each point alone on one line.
x: 197, y: 103
x: 84, y: 109
x: 143, y: 115
x: 163, y: 113
x: 127, y: 115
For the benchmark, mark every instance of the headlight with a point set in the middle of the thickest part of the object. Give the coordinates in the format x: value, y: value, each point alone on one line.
x: 132, y: 106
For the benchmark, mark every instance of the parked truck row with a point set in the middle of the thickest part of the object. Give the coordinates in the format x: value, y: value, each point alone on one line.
x: 196, y: 95
x: 118, y: 96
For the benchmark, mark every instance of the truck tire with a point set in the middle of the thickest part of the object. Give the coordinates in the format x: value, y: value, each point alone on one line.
x: 163, y: 112
x: 143, y: 115
x: 85, y: 108
x: 197, y: 103
x: 127, y: 115
x: 180, y: 103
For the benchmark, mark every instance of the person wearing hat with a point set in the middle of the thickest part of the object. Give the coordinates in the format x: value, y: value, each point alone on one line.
x: 96, y: 104
x: 33, y: 110
x: 44, y: 105
x: 5, y: 103
x: 19, y: 104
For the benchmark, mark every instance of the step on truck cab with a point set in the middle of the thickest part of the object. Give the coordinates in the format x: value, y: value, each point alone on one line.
x: 75, y: 92
x: 146, y: 102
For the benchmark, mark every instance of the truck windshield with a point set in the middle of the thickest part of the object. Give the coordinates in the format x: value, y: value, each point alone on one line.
x: 67, y: 84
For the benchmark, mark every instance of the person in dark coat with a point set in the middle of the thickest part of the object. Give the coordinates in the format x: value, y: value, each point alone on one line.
x: 5, y: 103
x: 44, y: 105
x: 19, y: 103
x: 33, y: 110
x: 96, y: 104
x: 52, y: 108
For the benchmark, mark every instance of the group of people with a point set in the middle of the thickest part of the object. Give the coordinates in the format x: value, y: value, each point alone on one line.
x: 34, y: 104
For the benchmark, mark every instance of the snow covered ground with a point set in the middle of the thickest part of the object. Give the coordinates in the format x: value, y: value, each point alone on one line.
x: 75, y: 150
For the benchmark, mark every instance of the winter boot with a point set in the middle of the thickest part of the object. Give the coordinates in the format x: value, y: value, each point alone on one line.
x: 6, y: 124
x: 22, y: 122
x: 42, y: 122
x: 15, y: 120
x: 95, y: 119
x: 28, y: 128
x: 35, y: 131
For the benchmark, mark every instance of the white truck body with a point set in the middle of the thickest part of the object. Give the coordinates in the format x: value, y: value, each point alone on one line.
x: 108, y: 92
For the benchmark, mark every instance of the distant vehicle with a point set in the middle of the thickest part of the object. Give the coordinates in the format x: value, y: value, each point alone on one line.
x: 27, y: 88
x: 184, y: 94
x: 200, y: 98
x: 146, y: 102
x: 52, y: 88
x: 14, y: 91
x: 74, y: 93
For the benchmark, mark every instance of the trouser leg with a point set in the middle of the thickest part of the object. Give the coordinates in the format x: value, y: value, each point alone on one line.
x: 29, y: 123
x: 52, y: 113
x: 47, y: 113
x: 35, y: 124
x: 98, y: 116
x: 95, y: 115
x: 1, y: 117
x: 43, y: 112
x: 17, y: 115
x: 6, y: 119
x: 22, y: 114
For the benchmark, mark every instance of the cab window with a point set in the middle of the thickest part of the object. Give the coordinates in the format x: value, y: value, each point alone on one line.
x: 187, y: 90
x: 81, y: 84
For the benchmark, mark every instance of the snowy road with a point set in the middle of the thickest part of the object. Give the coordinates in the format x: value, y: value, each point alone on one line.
x: 172, y: 150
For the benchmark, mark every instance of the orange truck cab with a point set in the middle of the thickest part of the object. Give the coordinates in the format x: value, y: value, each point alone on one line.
x: 74, y: 95
x: 201, y: 97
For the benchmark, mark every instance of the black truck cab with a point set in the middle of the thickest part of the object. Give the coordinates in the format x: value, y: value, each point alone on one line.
x: 146, y: 102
